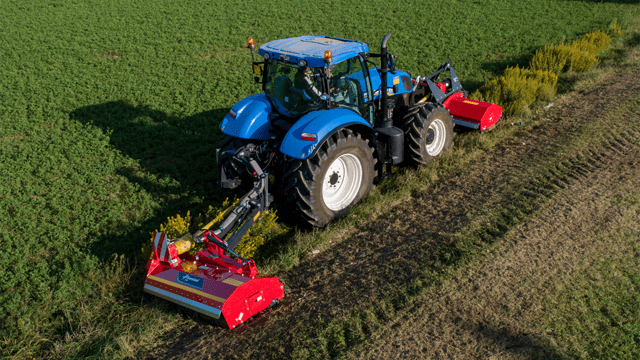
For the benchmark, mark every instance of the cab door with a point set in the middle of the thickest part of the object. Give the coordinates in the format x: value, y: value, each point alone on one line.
x: 350, y: 87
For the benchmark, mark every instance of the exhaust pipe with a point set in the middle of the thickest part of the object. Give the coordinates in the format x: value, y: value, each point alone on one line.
x: 385, y: 122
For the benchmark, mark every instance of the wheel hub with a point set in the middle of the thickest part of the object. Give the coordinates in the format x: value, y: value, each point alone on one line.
x: 435, y: 137
x: 430, y: 136
x: 334, y: 179
x: 341, y: 182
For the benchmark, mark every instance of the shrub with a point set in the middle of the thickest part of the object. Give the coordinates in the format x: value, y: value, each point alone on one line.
x: 614, y: 29
x: 593, y: 42
x: 265, y: 229
x: 578, y: 56
x: 551, y: 58
x: 176, y: 226
x: 518, y: 88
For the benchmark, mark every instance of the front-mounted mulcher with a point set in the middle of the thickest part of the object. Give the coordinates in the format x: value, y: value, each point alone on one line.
x: 328, y: 122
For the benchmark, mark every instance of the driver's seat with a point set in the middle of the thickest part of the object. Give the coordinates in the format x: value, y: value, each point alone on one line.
x: 282, y: 85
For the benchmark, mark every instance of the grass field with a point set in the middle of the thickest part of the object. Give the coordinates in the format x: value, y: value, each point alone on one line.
x: 109, y: 115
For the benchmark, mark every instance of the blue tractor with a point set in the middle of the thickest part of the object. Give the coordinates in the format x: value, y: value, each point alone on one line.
x: 325, y: 126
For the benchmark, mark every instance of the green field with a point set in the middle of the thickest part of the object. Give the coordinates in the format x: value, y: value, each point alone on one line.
x: 109, y: 114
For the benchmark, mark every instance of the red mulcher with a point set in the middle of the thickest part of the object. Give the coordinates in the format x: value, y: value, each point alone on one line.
x: 465, y: 112
x: 227, y: 290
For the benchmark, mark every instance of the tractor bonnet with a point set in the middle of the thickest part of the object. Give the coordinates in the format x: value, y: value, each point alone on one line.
x: 311, y: 49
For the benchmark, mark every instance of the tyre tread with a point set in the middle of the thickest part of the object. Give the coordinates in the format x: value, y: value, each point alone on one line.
x: 301, y: 177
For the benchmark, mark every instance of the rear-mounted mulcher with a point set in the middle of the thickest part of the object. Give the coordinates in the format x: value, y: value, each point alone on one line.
x: 227, y: 290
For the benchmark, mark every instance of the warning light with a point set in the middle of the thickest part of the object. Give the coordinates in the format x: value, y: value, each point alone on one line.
x: 251, y: 44
x: 328, y: 56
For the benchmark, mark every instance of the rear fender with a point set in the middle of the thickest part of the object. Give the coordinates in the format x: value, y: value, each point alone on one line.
x: 252, y: 119
x: 321, y: 123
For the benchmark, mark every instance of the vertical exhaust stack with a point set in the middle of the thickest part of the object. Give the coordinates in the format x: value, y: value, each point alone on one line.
x: 390, y: 139
x: 385, y: 122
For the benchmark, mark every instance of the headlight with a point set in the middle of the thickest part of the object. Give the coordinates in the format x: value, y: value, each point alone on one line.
x: 266, y: 56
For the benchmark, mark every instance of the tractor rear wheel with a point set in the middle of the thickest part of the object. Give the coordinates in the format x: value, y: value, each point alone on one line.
x: 325, y: 186
x: 428, y: 130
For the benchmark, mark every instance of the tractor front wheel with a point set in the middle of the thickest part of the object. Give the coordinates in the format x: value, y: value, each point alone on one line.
x: 428, y: 130
x: 325, y: 186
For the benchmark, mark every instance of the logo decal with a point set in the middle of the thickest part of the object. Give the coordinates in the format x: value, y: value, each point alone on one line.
x: 313, y: 147
x: 470, y: 102
x: 190, y: 280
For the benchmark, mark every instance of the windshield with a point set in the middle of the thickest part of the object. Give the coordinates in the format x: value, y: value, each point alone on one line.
x: 293, y: 89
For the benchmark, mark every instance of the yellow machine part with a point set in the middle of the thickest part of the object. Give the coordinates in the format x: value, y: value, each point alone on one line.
x: 184, y: 244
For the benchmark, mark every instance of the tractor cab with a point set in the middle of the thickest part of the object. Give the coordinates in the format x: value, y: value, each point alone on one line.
x: 292, y: 89
x: 311, y: 73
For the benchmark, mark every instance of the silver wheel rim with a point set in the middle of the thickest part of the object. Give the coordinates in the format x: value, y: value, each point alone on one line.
x: 342, y: 182
x: 435, y: 137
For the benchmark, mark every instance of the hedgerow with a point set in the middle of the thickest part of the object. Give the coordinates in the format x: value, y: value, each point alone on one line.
x: 518, y: 88
x: 580, y: 55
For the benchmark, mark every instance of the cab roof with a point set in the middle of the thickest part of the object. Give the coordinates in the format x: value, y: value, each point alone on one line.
x: 311, y: 48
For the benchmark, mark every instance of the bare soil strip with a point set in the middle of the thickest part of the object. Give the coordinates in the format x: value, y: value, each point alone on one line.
x: 491, y: 308
x: 540, y: 199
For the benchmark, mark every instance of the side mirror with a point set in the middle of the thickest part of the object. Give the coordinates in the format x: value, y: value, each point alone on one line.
x: 391, y: 60
x: 257, y: 70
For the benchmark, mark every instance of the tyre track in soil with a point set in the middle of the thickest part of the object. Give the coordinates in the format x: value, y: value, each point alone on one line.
x: 489, y: 309
x: 372, y: 261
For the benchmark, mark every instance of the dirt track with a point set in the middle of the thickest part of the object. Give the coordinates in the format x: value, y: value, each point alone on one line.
x: 487, y: 309
x: 484, y: 308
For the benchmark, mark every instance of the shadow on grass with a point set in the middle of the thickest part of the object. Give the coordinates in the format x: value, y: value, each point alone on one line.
x: 519, y: 345
x: 173, y: 161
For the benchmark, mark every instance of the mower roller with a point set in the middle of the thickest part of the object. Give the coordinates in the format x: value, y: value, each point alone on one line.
x: 328, y: 122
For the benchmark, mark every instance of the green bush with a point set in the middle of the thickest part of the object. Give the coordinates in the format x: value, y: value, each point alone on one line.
x: 517, y: 89
x: 578, y: 56
x: 266, y: 228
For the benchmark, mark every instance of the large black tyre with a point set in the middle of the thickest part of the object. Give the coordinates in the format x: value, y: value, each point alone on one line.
x: 428, y: 132
x: 325, y: 186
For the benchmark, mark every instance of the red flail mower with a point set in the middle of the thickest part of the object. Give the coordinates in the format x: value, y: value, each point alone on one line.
x: 221, y: 288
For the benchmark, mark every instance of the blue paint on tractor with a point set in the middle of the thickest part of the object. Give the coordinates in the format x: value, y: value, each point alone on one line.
x: 321, y: 123
x: 252, y: 119
x: 311, y: 49
x: 391, y: 79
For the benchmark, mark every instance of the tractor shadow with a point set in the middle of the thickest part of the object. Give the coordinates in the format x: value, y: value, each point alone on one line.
x: 172, y: 160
